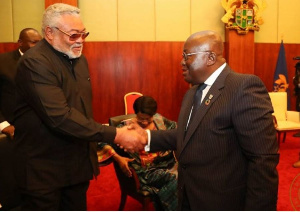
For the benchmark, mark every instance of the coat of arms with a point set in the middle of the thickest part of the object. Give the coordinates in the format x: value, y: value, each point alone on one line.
x: 243, y: 15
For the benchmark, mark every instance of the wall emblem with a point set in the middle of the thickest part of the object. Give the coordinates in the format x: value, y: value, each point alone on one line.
x: 243, y: 15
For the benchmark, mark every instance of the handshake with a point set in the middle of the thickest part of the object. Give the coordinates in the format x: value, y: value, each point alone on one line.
x: 131, y: 138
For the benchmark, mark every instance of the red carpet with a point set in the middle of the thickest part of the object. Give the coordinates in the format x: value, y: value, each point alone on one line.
x: 104, y: 193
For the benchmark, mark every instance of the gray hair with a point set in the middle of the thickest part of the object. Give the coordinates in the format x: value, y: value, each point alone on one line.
x: 54, y: 12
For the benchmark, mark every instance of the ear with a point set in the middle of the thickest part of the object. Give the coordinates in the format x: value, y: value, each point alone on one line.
x: 211, y: 59
x: 20, y: 42
x: 49, y: 33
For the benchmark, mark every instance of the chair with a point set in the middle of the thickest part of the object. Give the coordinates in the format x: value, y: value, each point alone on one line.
x: 130, y: 186
x: 284, y: 120
x: 116, y: 120
x: 129, y: 99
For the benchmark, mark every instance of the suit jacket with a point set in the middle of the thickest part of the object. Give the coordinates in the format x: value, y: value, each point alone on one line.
x: 229, y: 153
x: 55, y: 132
x: 9, y: 196
x: 8, y: 70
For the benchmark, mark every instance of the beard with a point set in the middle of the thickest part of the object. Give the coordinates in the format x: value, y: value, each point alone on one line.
x: 69, y: 51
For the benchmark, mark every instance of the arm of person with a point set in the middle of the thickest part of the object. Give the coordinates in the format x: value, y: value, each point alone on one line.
x: 41, y: 86
x: 9, y: 131
x: 123, y: 163
x: 252, y: 119
x: 5, y: 127
x: 162, y: 140
x: 106, y: 151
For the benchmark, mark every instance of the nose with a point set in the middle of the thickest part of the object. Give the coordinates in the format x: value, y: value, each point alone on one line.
x: 80, y: 40
x: 182, y: 62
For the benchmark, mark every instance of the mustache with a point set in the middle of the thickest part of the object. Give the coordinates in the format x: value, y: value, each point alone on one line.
x: 75, y: 45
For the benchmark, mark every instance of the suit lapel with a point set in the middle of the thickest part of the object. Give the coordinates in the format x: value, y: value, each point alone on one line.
x: 211, y: 96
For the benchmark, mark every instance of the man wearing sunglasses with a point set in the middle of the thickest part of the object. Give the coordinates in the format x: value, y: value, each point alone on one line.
x: 56, y: 136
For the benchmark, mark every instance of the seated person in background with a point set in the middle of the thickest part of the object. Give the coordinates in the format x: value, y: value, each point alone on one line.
x: 157, y: 172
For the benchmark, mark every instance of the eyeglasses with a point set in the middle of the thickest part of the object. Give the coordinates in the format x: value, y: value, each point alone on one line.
x: 75, y: 36
x: 186, y: 55
x: 144, y: 121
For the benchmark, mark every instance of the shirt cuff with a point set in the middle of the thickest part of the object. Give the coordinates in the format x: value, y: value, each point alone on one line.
x: 3, y: 125
x: 147, y: 147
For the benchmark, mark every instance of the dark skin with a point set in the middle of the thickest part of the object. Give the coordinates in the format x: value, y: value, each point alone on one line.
x: 198, y: 67
x: 27, y: 39
x: 145, y: 121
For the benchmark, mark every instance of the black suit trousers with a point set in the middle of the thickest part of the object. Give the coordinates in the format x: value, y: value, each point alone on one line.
x: 70, y: 198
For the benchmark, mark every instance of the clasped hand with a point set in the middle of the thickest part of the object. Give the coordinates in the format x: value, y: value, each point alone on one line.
x: 9, y: 131
x: 131, y: 138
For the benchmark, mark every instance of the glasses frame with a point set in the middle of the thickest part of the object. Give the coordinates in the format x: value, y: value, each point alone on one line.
x: 144, y: 121
x: 83, y: 35
x: 186, y: 55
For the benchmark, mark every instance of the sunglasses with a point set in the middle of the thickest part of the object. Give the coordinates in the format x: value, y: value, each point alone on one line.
x: 75, y: 36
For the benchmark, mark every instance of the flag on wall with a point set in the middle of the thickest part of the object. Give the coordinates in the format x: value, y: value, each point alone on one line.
x: 281, y: 79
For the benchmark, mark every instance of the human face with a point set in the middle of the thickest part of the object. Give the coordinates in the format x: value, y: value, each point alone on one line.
x: 194, y: 62
x: 30, y: 39
x: 74, y: 36
x: 69, y: 24
x: 143, y: 119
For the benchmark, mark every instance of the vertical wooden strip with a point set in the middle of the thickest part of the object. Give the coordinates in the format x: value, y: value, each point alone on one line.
x: 239, y: 51
x: 70, y: 2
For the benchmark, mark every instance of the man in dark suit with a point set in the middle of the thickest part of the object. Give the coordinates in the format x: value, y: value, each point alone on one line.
x: 9, y: 197
x: 56, y: 136
x: 227, y: 149
x: 8, y: 68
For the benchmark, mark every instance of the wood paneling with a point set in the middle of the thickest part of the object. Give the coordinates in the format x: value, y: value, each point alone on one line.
x: 265, y: 63
x: 153, y: 68
x: 6, y: 47
x: 70, y: 2
x: 239, y: 51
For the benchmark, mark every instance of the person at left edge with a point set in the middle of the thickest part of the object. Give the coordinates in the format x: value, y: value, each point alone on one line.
x: 9, y: 195
x: 55, y: 133
x: 8, y: 68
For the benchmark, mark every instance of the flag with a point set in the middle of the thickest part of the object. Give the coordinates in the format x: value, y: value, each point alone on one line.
x: 281, y: 79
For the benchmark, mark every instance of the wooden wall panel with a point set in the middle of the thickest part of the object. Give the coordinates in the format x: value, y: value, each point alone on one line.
x: 265, y: 63
x: 70, y: 2
x: 6, y: 47
x: 153, y: 68
x: 239, y: 51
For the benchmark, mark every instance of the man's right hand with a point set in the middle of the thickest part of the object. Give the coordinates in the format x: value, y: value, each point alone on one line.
x: 131, y: 140
x: 9, y: 131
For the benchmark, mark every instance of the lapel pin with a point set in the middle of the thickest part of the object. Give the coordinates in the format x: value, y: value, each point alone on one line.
x: 208, y: 100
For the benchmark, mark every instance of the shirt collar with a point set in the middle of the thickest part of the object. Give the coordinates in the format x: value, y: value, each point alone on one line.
x: 212, y: 78
x: 21, y: 53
